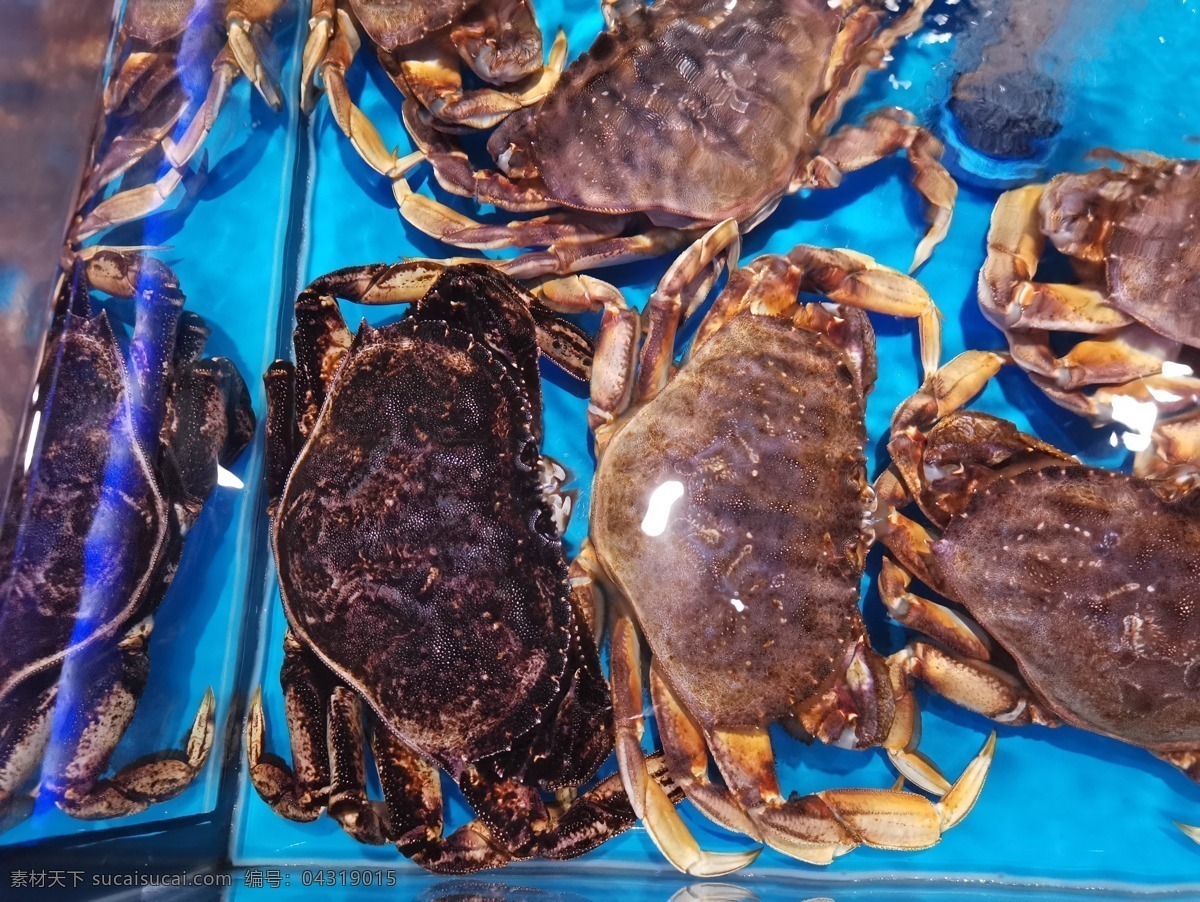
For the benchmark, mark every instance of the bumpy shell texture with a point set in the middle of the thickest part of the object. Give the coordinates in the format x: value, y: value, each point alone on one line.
x: 416, y: 553
x: 1091, y: 582
x: 747, y: 588
x: 695, y: 109
x: 1154, y: 257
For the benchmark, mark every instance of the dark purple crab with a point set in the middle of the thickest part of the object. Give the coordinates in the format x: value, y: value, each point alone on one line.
x: 1075, y: 602
x: 422, y: 575
x: 124, y: 461
x: 682, y: 114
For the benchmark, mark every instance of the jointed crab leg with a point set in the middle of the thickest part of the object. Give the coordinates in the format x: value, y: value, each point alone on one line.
x: 845, y: 277
x: 239, y: 55
x: 112, y: 695
x: 648, y: 800
x: 819, y: 827
x: 882, y: 134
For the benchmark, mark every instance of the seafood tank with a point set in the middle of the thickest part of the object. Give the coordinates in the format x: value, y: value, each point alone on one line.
x: 556, y: 448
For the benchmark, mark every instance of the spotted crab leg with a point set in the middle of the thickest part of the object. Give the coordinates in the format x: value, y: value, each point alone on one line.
x: 23, y: 743
x: 111, y: 697
x: 884, y: 133
x: 817, y: 828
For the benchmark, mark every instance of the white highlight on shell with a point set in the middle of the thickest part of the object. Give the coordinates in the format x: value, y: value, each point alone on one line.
x: 1174, y: 368
x: 227, y: 479
x: 1139, y: 417
x: 33, y: 437
x: 658, y: 508
x: 738, y: 604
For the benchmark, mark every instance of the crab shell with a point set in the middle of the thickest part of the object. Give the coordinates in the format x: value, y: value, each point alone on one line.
x: 479, y: 24
x: 1142, y: 226
x: 159, y: 21
x: 1077, y: 572
x: 417, y: 555
x: 749, y: 597
x: 711, y: 147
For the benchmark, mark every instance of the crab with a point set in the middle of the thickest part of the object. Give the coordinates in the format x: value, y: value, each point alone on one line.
x: 411, y: 504
x: 170, y: 53
x: 1071, y: 601
x: 1131, y: 234
x: 419, y: 44
x: 730, y: 521
x: 126, y: 455
x: 681, y: 115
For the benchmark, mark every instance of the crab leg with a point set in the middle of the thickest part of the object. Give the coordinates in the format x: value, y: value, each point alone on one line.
x: 23, y: 743
x: 111, y: 697
x: 857, y: 51
x: 126, y: 149
x: 135, y: 203
x: 686, y: 757
x: 819, y: 827
x: 975, y: 685
x: 244, y: 20
x: 301, y: 792
x: 614, y: 364
x: 956, y: 631
x: 843, y: 276
x: 701, y: 263
x: 348, y: 803
x: 157, y: 67
x: 649, y: 801
x: 883, y: 134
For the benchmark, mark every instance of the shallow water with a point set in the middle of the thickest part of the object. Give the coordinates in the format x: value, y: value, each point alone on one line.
x: 282, y: 206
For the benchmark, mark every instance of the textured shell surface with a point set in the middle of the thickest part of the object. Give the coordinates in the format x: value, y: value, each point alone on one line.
x: 416, y: 553
x: 397, y: 23
x: 729, y: 511
x: 692, y: 109
x: 79, y: 557
x: 1154, y: 256
x: 1087, y: 578
x: 157, y: 21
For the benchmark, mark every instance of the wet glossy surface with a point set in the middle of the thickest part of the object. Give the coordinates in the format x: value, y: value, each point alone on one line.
x: 1060, y: 805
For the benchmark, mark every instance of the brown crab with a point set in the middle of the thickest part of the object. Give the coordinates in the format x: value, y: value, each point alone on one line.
x: 682, y: 114
x: 124, y: 460
x: 421, y: 571
x: 1073, y: 601
x: 1132, y: 236
x: 165, y: 49
x: 419, y: 43
x: 730, y: 520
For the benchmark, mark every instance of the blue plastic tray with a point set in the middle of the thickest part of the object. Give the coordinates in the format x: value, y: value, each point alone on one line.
x: 1061, y: 808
